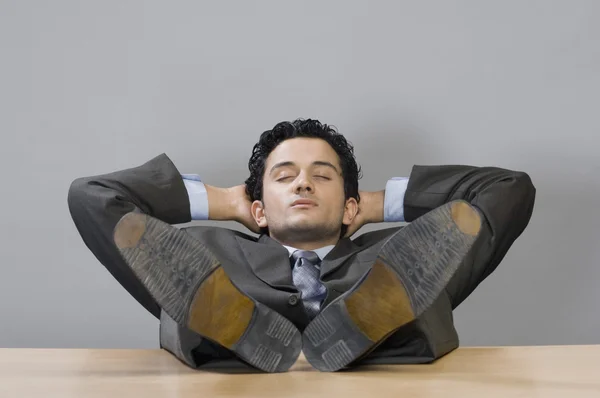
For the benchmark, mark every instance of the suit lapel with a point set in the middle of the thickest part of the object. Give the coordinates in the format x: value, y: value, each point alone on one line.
x: 269, y: 261
x: 342, y: 251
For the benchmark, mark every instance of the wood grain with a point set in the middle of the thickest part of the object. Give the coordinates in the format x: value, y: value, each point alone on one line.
x: 550, y: 371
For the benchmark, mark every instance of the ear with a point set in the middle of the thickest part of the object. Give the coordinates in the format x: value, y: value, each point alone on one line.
x: 350, y: 211
x: 258, y: 212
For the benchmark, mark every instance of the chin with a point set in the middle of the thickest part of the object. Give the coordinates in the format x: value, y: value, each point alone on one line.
x: 305, y: 225
x: 304, y: 232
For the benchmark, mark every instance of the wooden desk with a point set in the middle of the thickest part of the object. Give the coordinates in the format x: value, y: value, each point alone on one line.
x: 557, y: 371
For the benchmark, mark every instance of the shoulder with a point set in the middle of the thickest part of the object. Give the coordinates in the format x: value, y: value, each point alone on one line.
x: 211, y: 233
x: 372, y: 237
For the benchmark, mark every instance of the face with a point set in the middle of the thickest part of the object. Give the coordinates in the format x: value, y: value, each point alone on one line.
x: 303, y: 193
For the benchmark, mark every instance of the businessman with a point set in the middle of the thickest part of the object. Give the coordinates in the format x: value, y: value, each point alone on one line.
x: 303, y: 284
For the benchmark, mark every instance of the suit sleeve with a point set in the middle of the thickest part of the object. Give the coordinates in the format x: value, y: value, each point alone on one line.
x: 97, y: 203
x: 504, y: 198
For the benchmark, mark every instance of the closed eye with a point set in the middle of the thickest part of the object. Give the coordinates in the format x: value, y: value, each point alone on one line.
x: 283, y: 178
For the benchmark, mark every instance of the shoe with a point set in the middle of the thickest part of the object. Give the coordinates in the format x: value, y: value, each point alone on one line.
x: 189, y: 284
x: 411, y: 270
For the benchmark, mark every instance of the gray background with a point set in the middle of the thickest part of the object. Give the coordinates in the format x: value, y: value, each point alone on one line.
x: 92, y: 87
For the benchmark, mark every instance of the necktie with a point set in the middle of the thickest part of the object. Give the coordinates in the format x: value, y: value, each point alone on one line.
x: 306, y: 278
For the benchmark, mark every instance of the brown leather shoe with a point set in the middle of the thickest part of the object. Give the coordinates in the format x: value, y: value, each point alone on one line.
x: 189, y: 284
x: 411, y: 270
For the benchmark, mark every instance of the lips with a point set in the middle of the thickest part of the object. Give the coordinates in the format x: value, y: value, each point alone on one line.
x: 303, y: 202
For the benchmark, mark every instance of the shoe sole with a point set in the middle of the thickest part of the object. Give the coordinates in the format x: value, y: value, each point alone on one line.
x: 411, y: 270
x: 188, y: 283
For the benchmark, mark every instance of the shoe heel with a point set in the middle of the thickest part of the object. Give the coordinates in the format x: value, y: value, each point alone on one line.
x: 271, y: 342
x: 257, y: 334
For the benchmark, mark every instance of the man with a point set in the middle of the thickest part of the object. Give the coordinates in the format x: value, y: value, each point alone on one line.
x: 303, y: 284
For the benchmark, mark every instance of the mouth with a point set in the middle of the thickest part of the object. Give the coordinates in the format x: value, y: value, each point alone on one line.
x: 304, y: 203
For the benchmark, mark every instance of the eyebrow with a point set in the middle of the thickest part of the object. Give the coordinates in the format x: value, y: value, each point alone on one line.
x: 315, y: 163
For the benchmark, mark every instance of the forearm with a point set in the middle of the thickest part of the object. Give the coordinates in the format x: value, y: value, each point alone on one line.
x: 208, y: 202
x: 372, y: 208
x: 154, y: 188
x: 97, y: 203
x: 386, y: 205
x: 373, y: 204
x: 485, y: 187
x: 221, y: 203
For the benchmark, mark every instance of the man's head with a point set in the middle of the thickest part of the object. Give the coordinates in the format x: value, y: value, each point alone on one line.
x: 303, y: 183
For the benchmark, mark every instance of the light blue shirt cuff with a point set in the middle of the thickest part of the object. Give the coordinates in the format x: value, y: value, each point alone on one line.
x: 198, y: 196
x: 393, y: 202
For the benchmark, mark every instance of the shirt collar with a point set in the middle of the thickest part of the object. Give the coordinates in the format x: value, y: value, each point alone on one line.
x: 321, y: 252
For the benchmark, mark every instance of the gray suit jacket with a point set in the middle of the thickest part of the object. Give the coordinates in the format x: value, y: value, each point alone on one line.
x: 260, y: 266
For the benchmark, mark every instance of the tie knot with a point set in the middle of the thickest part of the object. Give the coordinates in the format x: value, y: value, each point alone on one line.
x: 307, y: 255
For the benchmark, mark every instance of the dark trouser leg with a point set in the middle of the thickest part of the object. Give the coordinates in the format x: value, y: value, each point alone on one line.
x: 179, y: 340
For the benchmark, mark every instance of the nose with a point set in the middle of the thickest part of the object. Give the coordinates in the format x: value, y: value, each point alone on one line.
x: 303, y: 184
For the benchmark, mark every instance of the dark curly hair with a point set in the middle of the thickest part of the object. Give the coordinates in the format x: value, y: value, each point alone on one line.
x: 351, y: 171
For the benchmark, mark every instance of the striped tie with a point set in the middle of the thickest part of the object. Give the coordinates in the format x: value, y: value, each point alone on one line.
x: 306, y: 278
